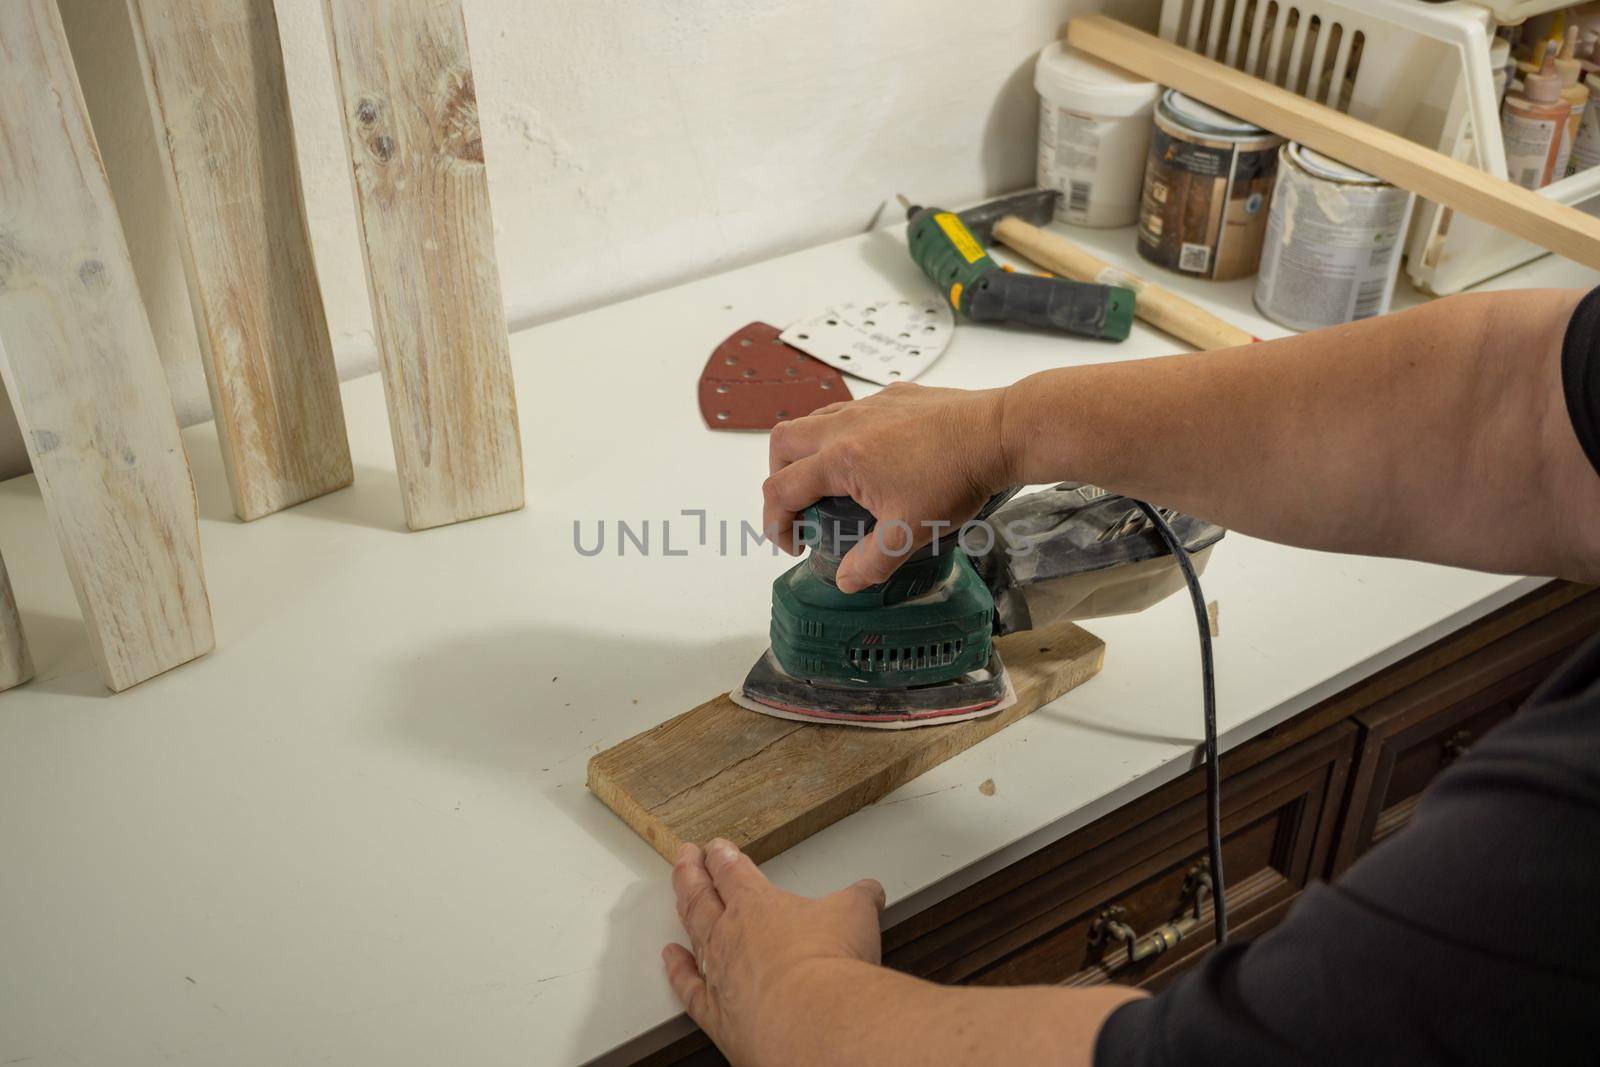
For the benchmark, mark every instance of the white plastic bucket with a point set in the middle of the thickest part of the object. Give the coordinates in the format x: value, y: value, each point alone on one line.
x: 1094, y: 130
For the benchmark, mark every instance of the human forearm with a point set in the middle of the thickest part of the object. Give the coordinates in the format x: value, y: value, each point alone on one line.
x: 1439, y: 433
x: 881, y: 1018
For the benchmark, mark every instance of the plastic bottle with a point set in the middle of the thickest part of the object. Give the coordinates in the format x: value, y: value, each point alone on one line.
x: 1541, y: 36
x: 1586, y: 146
x: 1500, y: 63
x: 1586, y: 54
x: 1533, y: 123
x: 1587, y: 18
x: 1573, y: 91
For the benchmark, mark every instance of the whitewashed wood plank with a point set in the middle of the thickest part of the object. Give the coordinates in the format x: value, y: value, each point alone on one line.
x: 80, y: 364
x: 214, y: 70
x: 422, y: 195
x: 15, y: 666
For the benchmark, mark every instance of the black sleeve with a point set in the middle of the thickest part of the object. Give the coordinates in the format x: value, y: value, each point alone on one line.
x: 1580, y: 374
x: 1468, y: 937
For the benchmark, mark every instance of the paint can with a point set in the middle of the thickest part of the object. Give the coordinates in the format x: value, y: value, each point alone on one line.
x: 1207, y: 182
x: 1333, y: 242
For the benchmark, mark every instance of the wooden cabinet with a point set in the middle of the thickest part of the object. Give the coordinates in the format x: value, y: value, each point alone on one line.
x: 1301, y: 801
x: 1410, y: 736
x: 1065, y: 913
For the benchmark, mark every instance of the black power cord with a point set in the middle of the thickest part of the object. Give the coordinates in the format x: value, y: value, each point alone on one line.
x: 1208, y: 686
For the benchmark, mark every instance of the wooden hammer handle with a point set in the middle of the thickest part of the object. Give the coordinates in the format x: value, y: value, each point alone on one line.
x: 1161, y: 308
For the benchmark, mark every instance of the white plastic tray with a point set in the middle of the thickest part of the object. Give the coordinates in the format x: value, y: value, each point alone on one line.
x: 1418, y: 69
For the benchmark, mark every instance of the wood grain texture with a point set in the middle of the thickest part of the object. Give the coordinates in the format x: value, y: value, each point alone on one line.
x: 15, y: 666
x: 1495, y: 201
x: 214, y: 70
x: 766, y: 783
x: 422, y: 195
x: 82, y: 371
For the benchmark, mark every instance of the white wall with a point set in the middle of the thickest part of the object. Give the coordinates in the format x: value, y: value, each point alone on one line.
x: 631, y: 144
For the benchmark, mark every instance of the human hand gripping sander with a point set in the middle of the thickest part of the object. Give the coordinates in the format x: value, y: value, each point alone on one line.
x: 918, y: 649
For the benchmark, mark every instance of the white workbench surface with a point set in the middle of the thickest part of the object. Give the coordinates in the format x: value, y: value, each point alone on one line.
x: 358, y: 832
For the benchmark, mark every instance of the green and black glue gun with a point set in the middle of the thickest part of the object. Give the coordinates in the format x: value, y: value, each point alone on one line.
x: 979, y: 288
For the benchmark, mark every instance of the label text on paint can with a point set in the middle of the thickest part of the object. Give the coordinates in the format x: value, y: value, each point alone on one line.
x: 1203, y: 209
x: 1333, y: 241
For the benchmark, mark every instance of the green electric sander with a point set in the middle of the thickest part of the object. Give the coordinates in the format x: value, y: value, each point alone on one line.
x: 918, y: 649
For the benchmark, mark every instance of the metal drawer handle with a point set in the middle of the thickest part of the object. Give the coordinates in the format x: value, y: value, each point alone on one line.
x: 1455, y: 746
x: 1110, y: 925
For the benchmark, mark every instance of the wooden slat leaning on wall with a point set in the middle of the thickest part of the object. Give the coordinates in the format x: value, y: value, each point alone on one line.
x: 15, y: 666
x: 422, y: 195
x: 214, y: 70
x: 80, y: 364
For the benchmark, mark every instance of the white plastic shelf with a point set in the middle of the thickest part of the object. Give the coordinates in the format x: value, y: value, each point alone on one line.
x: 1419, y: 69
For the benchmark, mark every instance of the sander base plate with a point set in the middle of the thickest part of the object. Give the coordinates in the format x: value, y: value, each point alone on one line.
x: 770, y: 690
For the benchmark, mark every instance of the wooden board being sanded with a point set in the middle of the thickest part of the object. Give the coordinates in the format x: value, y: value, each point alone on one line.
x: 1494, y: 201
x: 766, y: 784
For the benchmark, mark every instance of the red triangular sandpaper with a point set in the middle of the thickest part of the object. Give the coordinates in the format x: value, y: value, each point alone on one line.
x: 753, y: 381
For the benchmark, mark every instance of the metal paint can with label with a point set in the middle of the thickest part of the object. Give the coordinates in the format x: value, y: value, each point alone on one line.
x: 1207, y: 182
x: 1333, y: 243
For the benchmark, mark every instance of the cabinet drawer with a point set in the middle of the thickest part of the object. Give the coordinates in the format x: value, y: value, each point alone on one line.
x: 1408, y: 738
x: 1057, y: 916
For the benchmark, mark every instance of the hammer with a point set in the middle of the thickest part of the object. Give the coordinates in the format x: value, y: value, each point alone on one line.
x: 1012, y: 220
